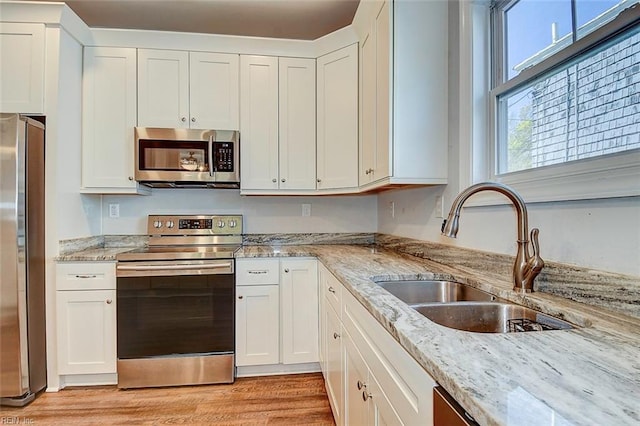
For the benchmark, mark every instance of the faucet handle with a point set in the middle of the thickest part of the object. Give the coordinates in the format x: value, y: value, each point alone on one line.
x: 535, y: 263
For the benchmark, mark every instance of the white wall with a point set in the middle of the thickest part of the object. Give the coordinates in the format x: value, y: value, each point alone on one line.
x: 261, y: 214
x: 599, y: 234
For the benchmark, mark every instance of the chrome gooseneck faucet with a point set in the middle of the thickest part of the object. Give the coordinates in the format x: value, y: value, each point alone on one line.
x: 526, y: 266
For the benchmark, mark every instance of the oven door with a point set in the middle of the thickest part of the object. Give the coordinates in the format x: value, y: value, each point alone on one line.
x: 175, y: 308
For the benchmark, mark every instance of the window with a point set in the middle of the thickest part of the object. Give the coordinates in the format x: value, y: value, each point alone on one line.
x: 566, y: 92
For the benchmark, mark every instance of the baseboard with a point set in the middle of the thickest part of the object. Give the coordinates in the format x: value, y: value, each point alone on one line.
x: 87, y: 380
x: 276, y: 369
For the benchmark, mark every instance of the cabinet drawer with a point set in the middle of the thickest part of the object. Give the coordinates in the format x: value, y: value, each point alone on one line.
x: 86, y: 276
x: 257, y: 271
x: 332, y: 290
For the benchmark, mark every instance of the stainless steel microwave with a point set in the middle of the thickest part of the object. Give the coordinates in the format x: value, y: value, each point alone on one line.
x: 187, y: 158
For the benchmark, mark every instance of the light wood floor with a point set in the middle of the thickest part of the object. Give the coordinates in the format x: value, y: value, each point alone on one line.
x: 284, y: 400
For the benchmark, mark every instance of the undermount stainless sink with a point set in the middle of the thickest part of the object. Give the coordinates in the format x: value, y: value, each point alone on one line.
x: 433, y: 291
x: 490, y: 317
x: 460, y: 306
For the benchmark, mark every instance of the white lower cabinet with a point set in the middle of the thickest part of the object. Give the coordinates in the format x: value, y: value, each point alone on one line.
x: 257, y: 325
x: 276, y: 316
x: 356, y: 376
x: 333, y: 366
x: 380, y: 382
x: 86, y: 322
x: 299, y: 297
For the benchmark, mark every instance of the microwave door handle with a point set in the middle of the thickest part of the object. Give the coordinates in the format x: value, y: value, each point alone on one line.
x: 211, y: 170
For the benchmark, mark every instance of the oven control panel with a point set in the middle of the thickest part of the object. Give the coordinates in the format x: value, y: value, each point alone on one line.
x: 194, y: 225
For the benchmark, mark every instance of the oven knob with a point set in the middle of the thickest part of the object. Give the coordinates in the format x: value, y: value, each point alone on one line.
x: 221, y: 224
x: 232, y: 224
x: 169, y: 224
x: 157, y: 224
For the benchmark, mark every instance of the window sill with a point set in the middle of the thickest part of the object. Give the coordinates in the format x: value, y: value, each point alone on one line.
x: 615, y: 176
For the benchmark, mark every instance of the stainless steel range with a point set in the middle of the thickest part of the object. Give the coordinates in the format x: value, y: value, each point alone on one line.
x: 175, y: 303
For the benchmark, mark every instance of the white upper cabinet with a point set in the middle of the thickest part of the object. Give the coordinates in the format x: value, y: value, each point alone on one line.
x: 259, y: 122
x: 22, y: 68
x: 178, y: 89
x: 368, y: 109
x: 297, y: 123
x: 337, y: 91
x: 375, y: 123
x: 403, y: 122
x: 277, y: 124
x: 163, y: 88
x: 108, y: 119
x: 214, y: 91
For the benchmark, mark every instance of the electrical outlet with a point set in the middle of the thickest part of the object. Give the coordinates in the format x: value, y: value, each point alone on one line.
x: 114, y: 210
x: 392, y: 208
x: 306, y: 210
x: 439, y: 206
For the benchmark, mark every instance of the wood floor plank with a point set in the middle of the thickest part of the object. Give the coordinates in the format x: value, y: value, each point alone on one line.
x: 298, y: 399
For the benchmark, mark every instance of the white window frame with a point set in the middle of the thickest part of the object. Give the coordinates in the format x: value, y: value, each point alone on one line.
x: 610, y: 176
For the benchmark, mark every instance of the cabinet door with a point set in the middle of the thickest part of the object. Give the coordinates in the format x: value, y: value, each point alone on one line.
x: 299, y: 302
x: 257, y: 325
x: 322, y: 324
x: 381, y: 409
x: 163, y: 88
x: 259, y: 122
x: 337, y: 91
x: 368, y: 109
x: 375, y: 85
x: 86, y: 331
x: 381, y: 168
x: 22, y: 67
x: 108, y: 118
x: 297, y: 123
x: 357, y: 401
x: 334, y: 374
x: 214, y: 91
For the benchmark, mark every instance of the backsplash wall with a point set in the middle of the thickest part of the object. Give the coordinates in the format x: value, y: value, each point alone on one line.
x: 262, y: 214
x: 599, y: 234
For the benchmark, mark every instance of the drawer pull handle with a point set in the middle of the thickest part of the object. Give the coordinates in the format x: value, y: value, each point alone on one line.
x: 257, y: 272
x: 109, y: 301
x: 365, y: 395
x: 336, y: 336
x: 286, y: 271
x: 361, y: 385
x: 86, y: 276
x: 240, y: 297
x: 332, y: 290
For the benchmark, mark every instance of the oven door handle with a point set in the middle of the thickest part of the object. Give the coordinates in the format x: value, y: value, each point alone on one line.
x: 181, y: 267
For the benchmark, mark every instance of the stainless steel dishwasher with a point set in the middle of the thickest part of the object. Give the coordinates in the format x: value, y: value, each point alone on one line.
x: 447, y: 411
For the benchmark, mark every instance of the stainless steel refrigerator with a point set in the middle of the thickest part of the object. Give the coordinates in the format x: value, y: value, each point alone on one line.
x: 22, y: 260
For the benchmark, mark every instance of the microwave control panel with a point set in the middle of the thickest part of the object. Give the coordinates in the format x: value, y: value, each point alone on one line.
x: 223, y: 156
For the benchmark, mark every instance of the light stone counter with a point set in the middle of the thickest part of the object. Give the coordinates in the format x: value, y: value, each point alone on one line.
x: 586, y: 376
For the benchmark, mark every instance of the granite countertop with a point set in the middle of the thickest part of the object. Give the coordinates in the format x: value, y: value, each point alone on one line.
x: 584, y: 376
